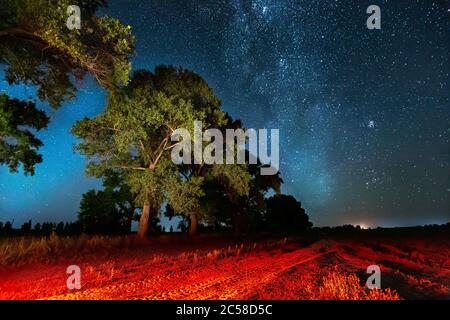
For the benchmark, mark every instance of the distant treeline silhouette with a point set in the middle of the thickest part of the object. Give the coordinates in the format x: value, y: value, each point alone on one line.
x: 41, y: 229
x: 356, y: 230
x: 76, y: 228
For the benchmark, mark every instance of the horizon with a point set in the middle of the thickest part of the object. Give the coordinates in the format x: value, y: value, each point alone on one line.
x: 166, y: 223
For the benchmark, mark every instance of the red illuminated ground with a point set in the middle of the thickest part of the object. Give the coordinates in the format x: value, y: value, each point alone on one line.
x: 278, y: 269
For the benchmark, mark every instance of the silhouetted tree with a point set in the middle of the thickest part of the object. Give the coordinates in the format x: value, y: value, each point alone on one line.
x: 243, y: 213
x: 7, y: 228
x: 99, y: 213
x: 60, y: 228
x: 114, y: 181
x: 26, y: 227
x: 47, y: 228
x: 72, y: 228
x: 285, y: 214
x: 118, y: 211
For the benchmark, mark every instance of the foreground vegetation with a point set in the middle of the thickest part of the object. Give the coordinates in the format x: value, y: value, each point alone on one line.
x: 320, y: 264
x: 16, y: 249
x: 23, y: 250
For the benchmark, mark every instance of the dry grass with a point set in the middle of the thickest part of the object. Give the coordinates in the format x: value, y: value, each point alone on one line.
x: 211, y: 267
x: 342, y: 286
x: 23, y: 250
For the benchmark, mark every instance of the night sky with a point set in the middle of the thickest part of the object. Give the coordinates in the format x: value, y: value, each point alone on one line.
x: 363, y: 114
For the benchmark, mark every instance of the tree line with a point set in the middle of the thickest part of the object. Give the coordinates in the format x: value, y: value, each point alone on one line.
x: 41, y: 229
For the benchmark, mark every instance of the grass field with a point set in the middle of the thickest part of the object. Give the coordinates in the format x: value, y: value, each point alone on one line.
x: 213, y: 267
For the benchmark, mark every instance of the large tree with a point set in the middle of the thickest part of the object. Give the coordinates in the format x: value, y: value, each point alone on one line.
x: 133, y: 136
x: 37, y: 48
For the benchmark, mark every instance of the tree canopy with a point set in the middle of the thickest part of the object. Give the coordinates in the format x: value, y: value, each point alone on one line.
x: 37, y: 48
x: 18, y: 144
x: 285, y: 213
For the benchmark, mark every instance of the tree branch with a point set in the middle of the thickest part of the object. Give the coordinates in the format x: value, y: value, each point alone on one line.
x: 19, y: 32
x: 172, y: 146
x: 165, y: 141
x: 131, y: 168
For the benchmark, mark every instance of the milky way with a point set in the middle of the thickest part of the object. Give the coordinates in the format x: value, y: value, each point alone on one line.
x: 363, y: 114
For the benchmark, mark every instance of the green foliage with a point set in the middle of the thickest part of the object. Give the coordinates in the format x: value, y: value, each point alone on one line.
x: 18, y: 145
x: 38, y: 48
x: 184, y: 195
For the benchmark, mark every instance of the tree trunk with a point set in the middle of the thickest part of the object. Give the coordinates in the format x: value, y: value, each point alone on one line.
x: 193, y: 226
x: 144, y: 221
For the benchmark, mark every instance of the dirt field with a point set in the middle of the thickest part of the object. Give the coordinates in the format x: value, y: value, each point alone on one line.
x: 411, y: 268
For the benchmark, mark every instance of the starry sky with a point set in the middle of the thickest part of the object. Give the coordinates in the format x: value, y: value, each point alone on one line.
x: 363, y: 114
